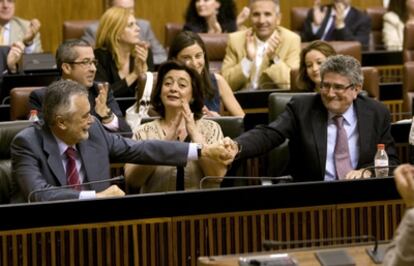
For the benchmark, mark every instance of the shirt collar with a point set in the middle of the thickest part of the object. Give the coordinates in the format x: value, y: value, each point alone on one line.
x: 348, y: 115
x: 62, y: 145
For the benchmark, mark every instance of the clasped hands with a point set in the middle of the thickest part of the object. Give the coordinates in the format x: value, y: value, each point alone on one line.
x: 223, y: 151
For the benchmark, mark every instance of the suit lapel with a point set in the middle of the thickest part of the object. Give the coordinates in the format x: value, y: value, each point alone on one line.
x: 15, y: 34
x: 364, y: 128
x: 54, y: 160
x: 319, y: 133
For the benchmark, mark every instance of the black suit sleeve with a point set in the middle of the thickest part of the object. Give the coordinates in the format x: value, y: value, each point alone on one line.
x: 35, y: 101
x: 358, y: 28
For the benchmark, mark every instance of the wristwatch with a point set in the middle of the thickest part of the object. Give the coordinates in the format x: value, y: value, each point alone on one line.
x: 107, y: 116
x: 199, y: 148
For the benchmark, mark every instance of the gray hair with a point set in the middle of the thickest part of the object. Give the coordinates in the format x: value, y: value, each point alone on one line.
x: 343, y: 65
x: 276, y: 2
x: 65, y: 52
x: 58, y: 99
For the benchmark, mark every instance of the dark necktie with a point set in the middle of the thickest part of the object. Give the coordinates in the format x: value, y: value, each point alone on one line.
x: 341, y: 153
x: 72, y: 174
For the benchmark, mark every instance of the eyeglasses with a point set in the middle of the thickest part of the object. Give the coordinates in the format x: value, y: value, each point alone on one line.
x: 85, y: 62
x: 325, y: 86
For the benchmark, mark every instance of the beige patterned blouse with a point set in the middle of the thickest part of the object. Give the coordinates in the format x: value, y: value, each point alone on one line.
x: 164, y: 177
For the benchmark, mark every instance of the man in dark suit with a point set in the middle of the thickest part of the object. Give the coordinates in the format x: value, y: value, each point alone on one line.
x: 76, y: 61
x: 309, y: 122
x: 336, y: 22
x: 71, y: 148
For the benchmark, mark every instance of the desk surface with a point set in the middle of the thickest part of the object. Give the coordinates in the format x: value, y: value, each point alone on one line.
x: 304, y: 257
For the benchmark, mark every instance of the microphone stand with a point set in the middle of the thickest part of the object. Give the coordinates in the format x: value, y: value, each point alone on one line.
x: 33, y: 192
x: 265, y: 179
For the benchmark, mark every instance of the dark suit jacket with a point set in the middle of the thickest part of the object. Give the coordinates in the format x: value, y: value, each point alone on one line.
x: 36, y: 99
x: 37, y: 164
x: 304, y: 123
x: 4, y: 51
x: 107, y: 71
x: 357, y: 28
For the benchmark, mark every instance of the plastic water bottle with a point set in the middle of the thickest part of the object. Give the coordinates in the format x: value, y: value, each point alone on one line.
x: 381, y: 161
x: 33, y: 115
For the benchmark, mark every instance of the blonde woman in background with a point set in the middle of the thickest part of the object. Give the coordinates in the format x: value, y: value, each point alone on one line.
x: 122, y: 56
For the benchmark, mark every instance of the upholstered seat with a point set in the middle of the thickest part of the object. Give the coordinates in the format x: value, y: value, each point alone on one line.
x: 408, y: 44
x: 375, y: 38
x: 171, y: 29
x: 19, y: 102
x: 74, y: 29
x: 7, y: 132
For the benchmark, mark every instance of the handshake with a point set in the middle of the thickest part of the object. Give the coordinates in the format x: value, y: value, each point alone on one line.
x: 223, y: 151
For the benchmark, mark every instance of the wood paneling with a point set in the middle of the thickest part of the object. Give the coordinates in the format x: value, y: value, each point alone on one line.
x: 52, y: 13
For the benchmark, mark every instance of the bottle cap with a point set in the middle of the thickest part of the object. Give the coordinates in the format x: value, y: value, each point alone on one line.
x: 380, y: 146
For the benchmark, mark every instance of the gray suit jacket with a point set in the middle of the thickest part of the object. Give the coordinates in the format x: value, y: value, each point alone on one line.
x: 146, y: 34
x: 401, y: 251
x: 18, y: 28
x: 37, y: 164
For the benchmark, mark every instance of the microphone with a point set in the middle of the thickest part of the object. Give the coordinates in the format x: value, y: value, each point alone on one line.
x: 373, y: 167
x: 269, y: 244
x: 376, y: 254
x: 120, y: 178
x: 266, y: 180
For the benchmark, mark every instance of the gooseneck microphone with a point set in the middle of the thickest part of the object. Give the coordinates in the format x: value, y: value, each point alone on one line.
x: 266, y: 180
x: 373, y: 167
x: 118, y: 179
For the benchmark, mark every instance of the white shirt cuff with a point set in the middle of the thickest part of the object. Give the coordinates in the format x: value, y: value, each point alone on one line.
x: 87, y: 194
x: 192, y: 152
x: 246, y: 66
x: 113, y: 125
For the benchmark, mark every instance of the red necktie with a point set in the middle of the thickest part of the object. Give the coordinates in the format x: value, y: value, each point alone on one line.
x: 72, y: 174
x: 342, y: 159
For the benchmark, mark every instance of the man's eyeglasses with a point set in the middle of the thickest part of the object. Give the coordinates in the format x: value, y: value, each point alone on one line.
x: 85, y: 63
x: 325, y: 86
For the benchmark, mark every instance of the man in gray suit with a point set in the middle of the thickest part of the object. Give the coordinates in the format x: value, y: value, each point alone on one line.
x: 71, y: 148
x: 146, y: 33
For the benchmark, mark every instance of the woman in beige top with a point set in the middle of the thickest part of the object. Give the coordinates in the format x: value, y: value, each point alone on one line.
x: 178, y: 99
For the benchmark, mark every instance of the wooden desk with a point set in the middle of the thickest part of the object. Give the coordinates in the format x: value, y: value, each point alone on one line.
x: 175, y: 228
x: 304, y: 257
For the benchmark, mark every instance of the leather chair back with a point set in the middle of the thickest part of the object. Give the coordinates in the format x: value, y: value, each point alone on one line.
x: 19, y: 102
x: 74, y: 29
x: 297, y: 18
x: 408, y: 43
x: 8, y: 131
x: 171, y: 30
x: 216, y: 49
x: 408, y: 86
x: 278, y: 158
x: 375, y: 38
x: 371, y: 81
